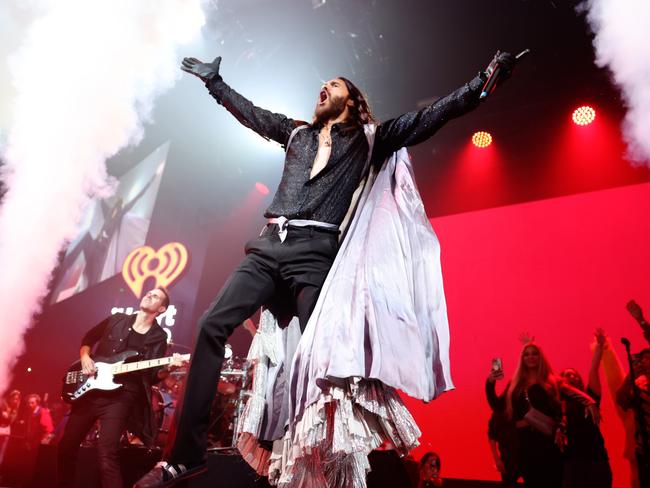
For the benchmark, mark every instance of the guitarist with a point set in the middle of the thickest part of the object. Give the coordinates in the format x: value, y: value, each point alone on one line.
x: 132, y: 401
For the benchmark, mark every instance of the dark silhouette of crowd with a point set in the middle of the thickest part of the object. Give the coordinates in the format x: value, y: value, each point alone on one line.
x: 24, y: 426
x: 544, y: 427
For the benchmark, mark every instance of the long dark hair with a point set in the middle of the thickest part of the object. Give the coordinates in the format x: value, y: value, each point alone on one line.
x: 360, y: 112
x: 428, y: 456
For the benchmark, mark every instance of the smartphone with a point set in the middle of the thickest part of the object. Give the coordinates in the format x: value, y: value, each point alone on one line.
x: 497, y: 364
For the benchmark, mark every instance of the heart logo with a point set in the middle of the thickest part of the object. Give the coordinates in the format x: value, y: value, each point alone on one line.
x: 165, y: 265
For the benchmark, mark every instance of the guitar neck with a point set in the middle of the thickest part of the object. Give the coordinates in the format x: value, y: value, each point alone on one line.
x: 149, y: 363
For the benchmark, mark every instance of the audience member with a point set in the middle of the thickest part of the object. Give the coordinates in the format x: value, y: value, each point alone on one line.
x: 502, y: 434
x: 532, y: 401
x: 586, y: 462
x: 430, y: 471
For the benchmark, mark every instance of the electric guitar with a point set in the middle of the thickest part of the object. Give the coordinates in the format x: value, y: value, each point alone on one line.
x: 76, y: 383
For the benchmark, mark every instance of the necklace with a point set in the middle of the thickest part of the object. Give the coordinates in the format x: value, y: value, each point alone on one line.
x: 325, y: 139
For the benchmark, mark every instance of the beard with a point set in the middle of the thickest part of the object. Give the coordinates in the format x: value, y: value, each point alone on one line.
x: 329, y: 110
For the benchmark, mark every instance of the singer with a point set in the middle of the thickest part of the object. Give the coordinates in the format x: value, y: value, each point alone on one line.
x: 333, y: 256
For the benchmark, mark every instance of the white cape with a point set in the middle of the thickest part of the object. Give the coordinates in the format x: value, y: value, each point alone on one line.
x: 328, y: 397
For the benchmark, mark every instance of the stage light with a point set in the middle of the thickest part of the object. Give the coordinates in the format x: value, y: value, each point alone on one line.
x: 584, y: 115
x: 262, y: 188
x: 481, y: 139
x: 29, y: 370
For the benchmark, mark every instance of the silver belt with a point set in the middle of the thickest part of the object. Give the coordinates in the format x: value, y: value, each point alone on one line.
x: 283, y: 225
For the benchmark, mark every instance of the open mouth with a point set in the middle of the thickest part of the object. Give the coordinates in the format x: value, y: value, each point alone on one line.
x: 323, y: 97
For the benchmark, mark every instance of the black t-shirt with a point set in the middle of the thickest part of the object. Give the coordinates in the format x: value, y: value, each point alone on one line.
x: 584, y: 437
x: 132, y: 382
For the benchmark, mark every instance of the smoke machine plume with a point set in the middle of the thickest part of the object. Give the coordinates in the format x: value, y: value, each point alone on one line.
x: 85, y: 75
x: 621, y: 42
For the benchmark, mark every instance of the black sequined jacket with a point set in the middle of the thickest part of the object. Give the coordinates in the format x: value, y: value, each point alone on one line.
x: 326, y: 197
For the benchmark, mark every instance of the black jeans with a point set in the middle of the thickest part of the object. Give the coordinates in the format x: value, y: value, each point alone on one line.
x: 112, y: 409
x: 643, y: 462
x: 300, y: 263
x: 587, y: 471
x: 540, y: 458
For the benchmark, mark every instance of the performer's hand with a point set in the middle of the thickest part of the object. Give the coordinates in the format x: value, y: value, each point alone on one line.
x: 177, y: 360
x: 505, y: 61
x: 249, y: 325
x: 88, y: 366
x: 205, y: 71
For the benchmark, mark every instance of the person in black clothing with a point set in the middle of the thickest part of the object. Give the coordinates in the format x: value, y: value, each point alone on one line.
x: 586, y: 462
x: 286, y: 266
x: 116, y: 334
x: 639, y: 400
x: 636, y: 394
x: 532, y: 401
x: 502, y: 434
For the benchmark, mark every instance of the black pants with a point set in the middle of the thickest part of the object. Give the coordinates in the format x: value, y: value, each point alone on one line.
x: 112, y: 409
x: 591, y: 471
x: 643, y: 462
x: 301, y: 264
x: 510, y: 478
x: 541, y: 460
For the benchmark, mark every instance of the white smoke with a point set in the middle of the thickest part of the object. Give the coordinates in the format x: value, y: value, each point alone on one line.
x: 85, y: 76
x: 622, y: 38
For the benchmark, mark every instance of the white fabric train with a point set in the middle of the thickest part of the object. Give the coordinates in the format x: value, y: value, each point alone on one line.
x: 328, y: 397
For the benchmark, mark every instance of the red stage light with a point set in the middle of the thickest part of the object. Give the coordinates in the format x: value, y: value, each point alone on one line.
x: 584, y: 115
x: 482, y: 139
x: 262, y: 188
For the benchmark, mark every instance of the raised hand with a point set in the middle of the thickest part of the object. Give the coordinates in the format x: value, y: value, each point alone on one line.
x: 205, y: 71
x: 525, y: 337
x: 635, y: 310
x: 503, y: 60
x: 601, y: 337
x: 496, y: 375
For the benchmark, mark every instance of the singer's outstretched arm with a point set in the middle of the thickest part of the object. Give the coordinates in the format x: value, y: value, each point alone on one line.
x: 414, y: 127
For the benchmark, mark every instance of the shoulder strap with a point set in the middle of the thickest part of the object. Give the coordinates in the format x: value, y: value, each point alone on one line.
x: 366, y: 177
x: 369, y: 130
x: 292, y: 135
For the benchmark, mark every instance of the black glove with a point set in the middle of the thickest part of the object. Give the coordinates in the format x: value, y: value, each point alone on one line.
x: 205, y: 71
x: 505, y: 61
x: 497, y: 72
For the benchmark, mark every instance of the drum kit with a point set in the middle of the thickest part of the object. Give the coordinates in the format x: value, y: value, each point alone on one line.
x: 234, y: 385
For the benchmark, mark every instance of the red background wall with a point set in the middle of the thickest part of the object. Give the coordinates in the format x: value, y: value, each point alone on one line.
x: 556, y: 268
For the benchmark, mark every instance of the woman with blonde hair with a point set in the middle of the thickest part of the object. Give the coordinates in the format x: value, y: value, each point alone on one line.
x: 533, y: 401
